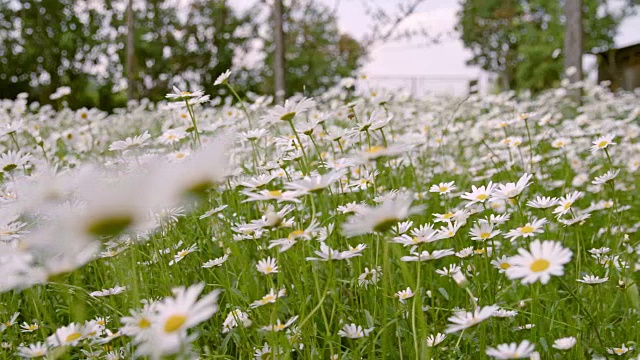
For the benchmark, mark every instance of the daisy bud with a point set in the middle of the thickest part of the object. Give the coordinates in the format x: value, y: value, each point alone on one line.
x: 460, y: 279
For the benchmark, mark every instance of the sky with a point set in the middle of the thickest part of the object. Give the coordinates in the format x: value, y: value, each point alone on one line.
x: 441, y: 67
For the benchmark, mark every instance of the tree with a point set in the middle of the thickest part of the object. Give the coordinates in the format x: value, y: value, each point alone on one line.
x: 521, y: 39
x: 317, y: 54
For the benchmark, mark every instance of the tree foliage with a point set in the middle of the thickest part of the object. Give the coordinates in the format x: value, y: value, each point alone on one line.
x: 82, y: 44
x: 521, y: 40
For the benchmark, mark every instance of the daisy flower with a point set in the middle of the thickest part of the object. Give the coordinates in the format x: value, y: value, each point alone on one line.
x: 69, y: 335
x: 511, y: 190
x: 222, y: 78
x: 426, y: 255
x: 33, y: 351
x: 315, y: 184
x: 279, y: 326
x: 483, y: 231
x: 234, y: 318
x: 130, y: 143
x: 592, y: 280
x: 478, y: 194
x: 443, y: 188
x: 565, y: 343
x: 180, y: 95
x: 216, y: 262
x: 27, y: 328
x: 543, y: 260
x: 542, y: 202
x: 512, y: 351
x: 529, y: 230
x: 565, y: 203
x: 434, y: 340
x: 381, y: 218
x: 608, y: 176
x: 10, y: 322
x: 183, y: 310
x: 183, y: 253
x: 270, y: 298
x: 619, y: 351
x: 353, y: 331
x: 289, y: 111
x: 13, y: 159
x: 501, y: 263
x: 462, y: 320
x: 106, y: 292
x: 602, y: 143
x: 267, y: 266
x: 370, y: 276
x: 403, y: 295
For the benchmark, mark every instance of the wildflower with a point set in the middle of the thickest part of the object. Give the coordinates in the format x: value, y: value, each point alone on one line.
x: 592, y: 280
x: 181, y: 95
x: 452, y: 269
x: 129, y: 143
x: 426, y: 255
x: 565, y: 343
x: 542, y: 202
x: 216, y: 262
x: 543, y: 260
x: 289, y: 111
x: 529, y: 230
x: 443, y: 188
x: 267, y: 266
x: 270, y: 298
x: 10, y: 322
x: 33, y: 351
x: 370, y: 277
x: 619, y: 351
x: 501, y: 263
x: 234, y: 318
x: 183, y: 253
x: 463, y: 320
x: 353, y: 331
x: 483, y: 231
x: 13, y: 159
x: 279, y: 326
x: 69, y: 335
x: 182, y: 311
x: 503, y: 313
x: 27, y: 328
x: 602, y: 143
x: 403, y: 295
x: 434, y: 340
x: 608, y: 176
x: 512, y: 351
x: 222, y: 78
x: 267, y: 353
x: 106, y: 292
x: 511, y: 190
x: 479, y: 195
x: 381, y: 218
x: 315, y: 184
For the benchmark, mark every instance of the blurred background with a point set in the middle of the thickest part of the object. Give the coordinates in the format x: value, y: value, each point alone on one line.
x: 110, y: 51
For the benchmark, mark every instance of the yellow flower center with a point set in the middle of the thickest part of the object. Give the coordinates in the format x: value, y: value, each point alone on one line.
x: 447, y: 216
x: 288, y: 116
x: 180, y: 155
x: 268, y: 269
x: 443, y: 188
x: 619, y: 351
x: 33, y: 327
x: 72, y: 337
x: 603, y: 144
x: 526, y: 229
x: 268, y: 298
x: 295, y: 234
x: 505, y: 265
x: 174, y: 322
x: 275, y: 193
x: 539, y: 265
x: 185, y: 93
x: 482, y: 197
x: 144, y: 323
x: 485, y: 235
x: 567, y: 205
x: 375, y: 149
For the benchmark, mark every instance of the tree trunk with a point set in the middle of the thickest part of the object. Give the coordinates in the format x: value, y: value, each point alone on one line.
x: 130, y: 52
x: 279, y: 65
x: 573, y: 42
